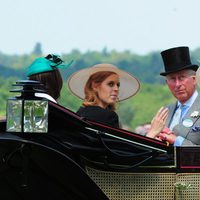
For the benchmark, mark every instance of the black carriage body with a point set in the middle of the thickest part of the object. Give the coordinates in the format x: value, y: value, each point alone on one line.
x: 53, y: 165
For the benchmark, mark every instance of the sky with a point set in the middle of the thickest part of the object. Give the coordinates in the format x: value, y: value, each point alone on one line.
x: 140, y: 26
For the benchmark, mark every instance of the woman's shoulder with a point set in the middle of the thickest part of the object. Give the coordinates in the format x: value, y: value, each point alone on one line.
x: 46, y: 96
x: 86, y: 111
x: 95, y: 110
x: 96, y: 113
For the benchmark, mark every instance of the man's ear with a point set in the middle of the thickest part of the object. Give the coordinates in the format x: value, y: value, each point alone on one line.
x: 195, y: 79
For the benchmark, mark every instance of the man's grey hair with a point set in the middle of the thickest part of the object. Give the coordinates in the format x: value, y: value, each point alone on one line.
x: 191, y: 72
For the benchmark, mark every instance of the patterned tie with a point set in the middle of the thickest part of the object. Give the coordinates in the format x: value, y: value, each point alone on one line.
x: 177, y: 116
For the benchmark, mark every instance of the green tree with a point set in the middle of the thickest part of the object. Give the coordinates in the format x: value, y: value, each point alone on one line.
x: 37, y: 49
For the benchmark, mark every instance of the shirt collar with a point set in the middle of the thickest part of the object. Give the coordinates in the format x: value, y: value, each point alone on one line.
x: 190, y: 101
x: 46, y: 96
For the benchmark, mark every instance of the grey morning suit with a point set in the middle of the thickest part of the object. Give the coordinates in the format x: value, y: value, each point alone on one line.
x: 192, y: 133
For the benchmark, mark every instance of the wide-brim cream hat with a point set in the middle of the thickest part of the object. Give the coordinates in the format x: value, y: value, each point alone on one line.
x: 129, y: 85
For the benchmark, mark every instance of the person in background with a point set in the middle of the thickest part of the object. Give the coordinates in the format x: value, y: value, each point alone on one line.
x: 46, y: 71
x: 101, y: 87
x: 143, y: 129
x: 183, y: 121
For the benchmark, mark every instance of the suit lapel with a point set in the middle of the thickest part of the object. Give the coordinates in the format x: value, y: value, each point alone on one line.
x: 195, y: 107
x: 172, y: 109
x: 183, y: 130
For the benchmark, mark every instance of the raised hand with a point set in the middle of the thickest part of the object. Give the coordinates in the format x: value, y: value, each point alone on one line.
x: 158, y: 122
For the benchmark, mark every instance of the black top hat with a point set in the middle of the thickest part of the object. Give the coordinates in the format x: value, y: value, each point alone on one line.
x: 176, y: 59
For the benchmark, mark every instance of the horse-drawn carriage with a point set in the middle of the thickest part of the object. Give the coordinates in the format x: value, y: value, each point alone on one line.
x: 80, y: 159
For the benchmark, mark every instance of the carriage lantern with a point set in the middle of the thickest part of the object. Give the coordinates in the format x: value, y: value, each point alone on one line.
x: 27, y: 113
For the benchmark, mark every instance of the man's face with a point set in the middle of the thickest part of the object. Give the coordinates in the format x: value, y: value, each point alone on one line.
x: 182, y: 84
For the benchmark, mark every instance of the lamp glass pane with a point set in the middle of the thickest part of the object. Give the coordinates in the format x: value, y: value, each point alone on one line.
x: 36, y: 116
x: 14, y: 115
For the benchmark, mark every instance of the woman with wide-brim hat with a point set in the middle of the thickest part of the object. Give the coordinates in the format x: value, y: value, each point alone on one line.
x: 101, y: 87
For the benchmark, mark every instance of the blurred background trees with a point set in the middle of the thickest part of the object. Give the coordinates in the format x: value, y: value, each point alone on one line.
x: 137, y: 110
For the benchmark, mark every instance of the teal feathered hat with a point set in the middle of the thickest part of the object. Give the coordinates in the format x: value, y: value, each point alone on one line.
x: 45, y: 64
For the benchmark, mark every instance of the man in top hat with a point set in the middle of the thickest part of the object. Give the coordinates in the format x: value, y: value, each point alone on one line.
x: 184, y: 115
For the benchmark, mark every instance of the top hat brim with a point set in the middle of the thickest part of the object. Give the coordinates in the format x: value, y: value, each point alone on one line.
x: 193, y: 67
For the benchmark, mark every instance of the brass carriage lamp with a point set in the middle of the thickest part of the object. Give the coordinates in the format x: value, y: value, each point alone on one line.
x: 27, y: 113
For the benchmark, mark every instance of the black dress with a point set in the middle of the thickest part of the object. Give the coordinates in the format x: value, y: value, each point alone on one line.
x: 101, y: 115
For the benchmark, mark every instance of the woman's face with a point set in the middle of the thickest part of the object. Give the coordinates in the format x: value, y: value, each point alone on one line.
x: 108, y: 91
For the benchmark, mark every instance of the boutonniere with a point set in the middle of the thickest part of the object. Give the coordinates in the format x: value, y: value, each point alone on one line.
x: 195, y: 114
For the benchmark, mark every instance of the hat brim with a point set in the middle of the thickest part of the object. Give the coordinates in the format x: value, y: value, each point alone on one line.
x: 129, y: 85
x: 193, y: 67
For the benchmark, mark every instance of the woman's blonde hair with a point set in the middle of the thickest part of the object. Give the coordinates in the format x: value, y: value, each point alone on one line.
x: 91, y: 97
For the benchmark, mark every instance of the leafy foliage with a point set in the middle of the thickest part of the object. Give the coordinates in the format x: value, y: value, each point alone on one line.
x: 37, y: 49
x: 135, y: 111
x: 5, y: 87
